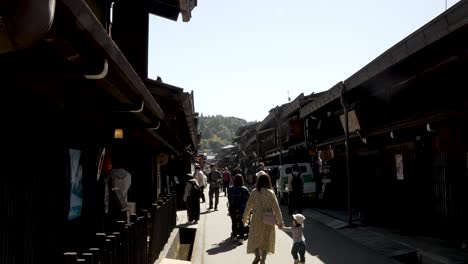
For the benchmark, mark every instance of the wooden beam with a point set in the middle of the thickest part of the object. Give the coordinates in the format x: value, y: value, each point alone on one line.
x: 90, y: 26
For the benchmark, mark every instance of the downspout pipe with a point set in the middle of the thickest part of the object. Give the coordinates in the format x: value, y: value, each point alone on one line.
x: 346, y: 130
x: 100, y: 75
x: 23, y: 23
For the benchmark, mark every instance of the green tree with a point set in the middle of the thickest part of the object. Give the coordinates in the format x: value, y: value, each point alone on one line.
x: 218, y: 131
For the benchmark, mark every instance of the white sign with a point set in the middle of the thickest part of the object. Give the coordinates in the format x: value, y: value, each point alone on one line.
x: 399, y: 166
x: 353, y: 122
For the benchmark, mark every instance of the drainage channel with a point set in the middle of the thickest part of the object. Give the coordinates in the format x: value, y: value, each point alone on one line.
x: 182, y: 246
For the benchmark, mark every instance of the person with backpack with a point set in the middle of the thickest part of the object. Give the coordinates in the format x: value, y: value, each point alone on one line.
x: 215, y: 180
x: 238, y: 195
x: 192, y: 198
x: 296, y: 190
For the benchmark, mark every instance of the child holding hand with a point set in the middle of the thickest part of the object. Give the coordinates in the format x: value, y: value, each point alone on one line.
x: 297, y: 231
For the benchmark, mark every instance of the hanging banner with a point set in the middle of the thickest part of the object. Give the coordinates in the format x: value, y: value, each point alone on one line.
x: 76, y: 185
x: 353, y: 121
x: 399, y: 166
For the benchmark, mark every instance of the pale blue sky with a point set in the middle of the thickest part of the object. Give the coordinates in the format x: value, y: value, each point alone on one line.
x: 242, y: 57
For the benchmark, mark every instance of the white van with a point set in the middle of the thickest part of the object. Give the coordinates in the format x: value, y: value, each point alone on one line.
x: 282, y: 183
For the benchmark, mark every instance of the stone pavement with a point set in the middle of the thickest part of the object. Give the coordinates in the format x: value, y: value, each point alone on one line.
x: 218, y: 247
x: 328, y: 240
x: 407, y: 249
x: 324, y: 244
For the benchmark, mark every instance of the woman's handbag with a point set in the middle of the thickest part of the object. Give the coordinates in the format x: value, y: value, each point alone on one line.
x: 269, y: 218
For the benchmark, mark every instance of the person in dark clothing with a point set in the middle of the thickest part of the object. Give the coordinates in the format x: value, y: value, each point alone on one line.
x: 214, y: 179
x: 238, y: 195
x: 296, y: 190
x: 261, y: 167
x: 237, y: 170
x: 192, y: 198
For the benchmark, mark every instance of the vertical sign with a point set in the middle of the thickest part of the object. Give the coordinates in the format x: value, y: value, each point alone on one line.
x: 353, y: 121
x: 76, y: 185
x: 399, y: 166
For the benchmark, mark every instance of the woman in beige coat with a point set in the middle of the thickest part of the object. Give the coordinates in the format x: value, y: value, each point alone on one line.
x: 262, y: 236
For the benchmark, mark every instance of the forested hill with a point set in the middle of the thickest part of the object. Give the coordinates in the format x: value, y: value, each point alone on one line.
x: 218, y: 131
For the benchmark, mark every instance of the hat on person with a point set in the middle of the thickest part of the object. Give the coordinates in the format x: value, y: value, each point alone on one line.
x: 299, y: 218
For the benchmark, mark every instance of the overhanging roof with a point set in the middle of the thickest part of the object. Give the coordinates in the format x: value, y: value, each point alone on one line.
x: 292, y: 107
x: 179, y: 107
x: 95, y: 34
x: 322, y: 100
x: 443, y: 25
x: 274, y: 112
x: 170, y: 9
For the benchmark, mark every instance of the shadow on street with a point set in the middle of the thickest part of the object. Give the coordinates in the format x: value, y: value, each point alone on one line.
x: 185, y: 225
x: 325, y: 243
x: 224, y: 246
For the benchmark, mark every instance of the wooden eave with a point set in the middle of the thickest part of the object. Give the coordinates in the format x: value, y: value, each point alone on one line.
x: 435, y: 31
x: 242, y: 131
x: 324, y: 99
x: 179, y: 106
x: 170, y: 9
x: 164, y: 8
x: 93, y: 34
x: 272, y: 115
x: 251, y: 140
x: 292, y: 107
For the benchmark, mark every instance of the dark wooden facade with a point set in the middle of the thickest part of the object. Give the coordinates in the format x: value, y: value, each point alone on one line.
x: 412, y: 109
x: 410, y: 102
x: 71, y: 90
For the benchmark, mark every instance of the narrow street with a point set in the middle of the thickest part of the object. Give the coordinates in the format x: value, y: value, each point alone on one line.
x: 117, y: 114
x: 324, y: 245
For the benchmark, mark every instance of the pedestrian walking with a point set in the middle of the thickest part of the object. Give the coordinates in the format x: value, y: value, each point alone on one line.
x: 238, y: 195
x: 237, y: 170
x: 262, y: 202
x: 226, y: 180
x: 200, y: 177
x: 297, y: 231
x: 192, y: 198
x: 214, y: 179
x: 260, y: 169
x: 295, y: 190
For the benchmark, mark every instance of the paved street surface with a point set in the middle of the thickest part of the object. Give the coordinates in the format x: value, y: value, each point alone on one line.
x: 324, y: 244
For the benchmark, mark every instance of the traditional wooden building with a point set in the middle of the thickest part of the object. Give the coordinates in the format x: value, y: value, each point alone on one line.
x: 407, y: 122
x: 281, y: 136
x: 399, y: 159
x: 88, y: 136
x: 247, y: 149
